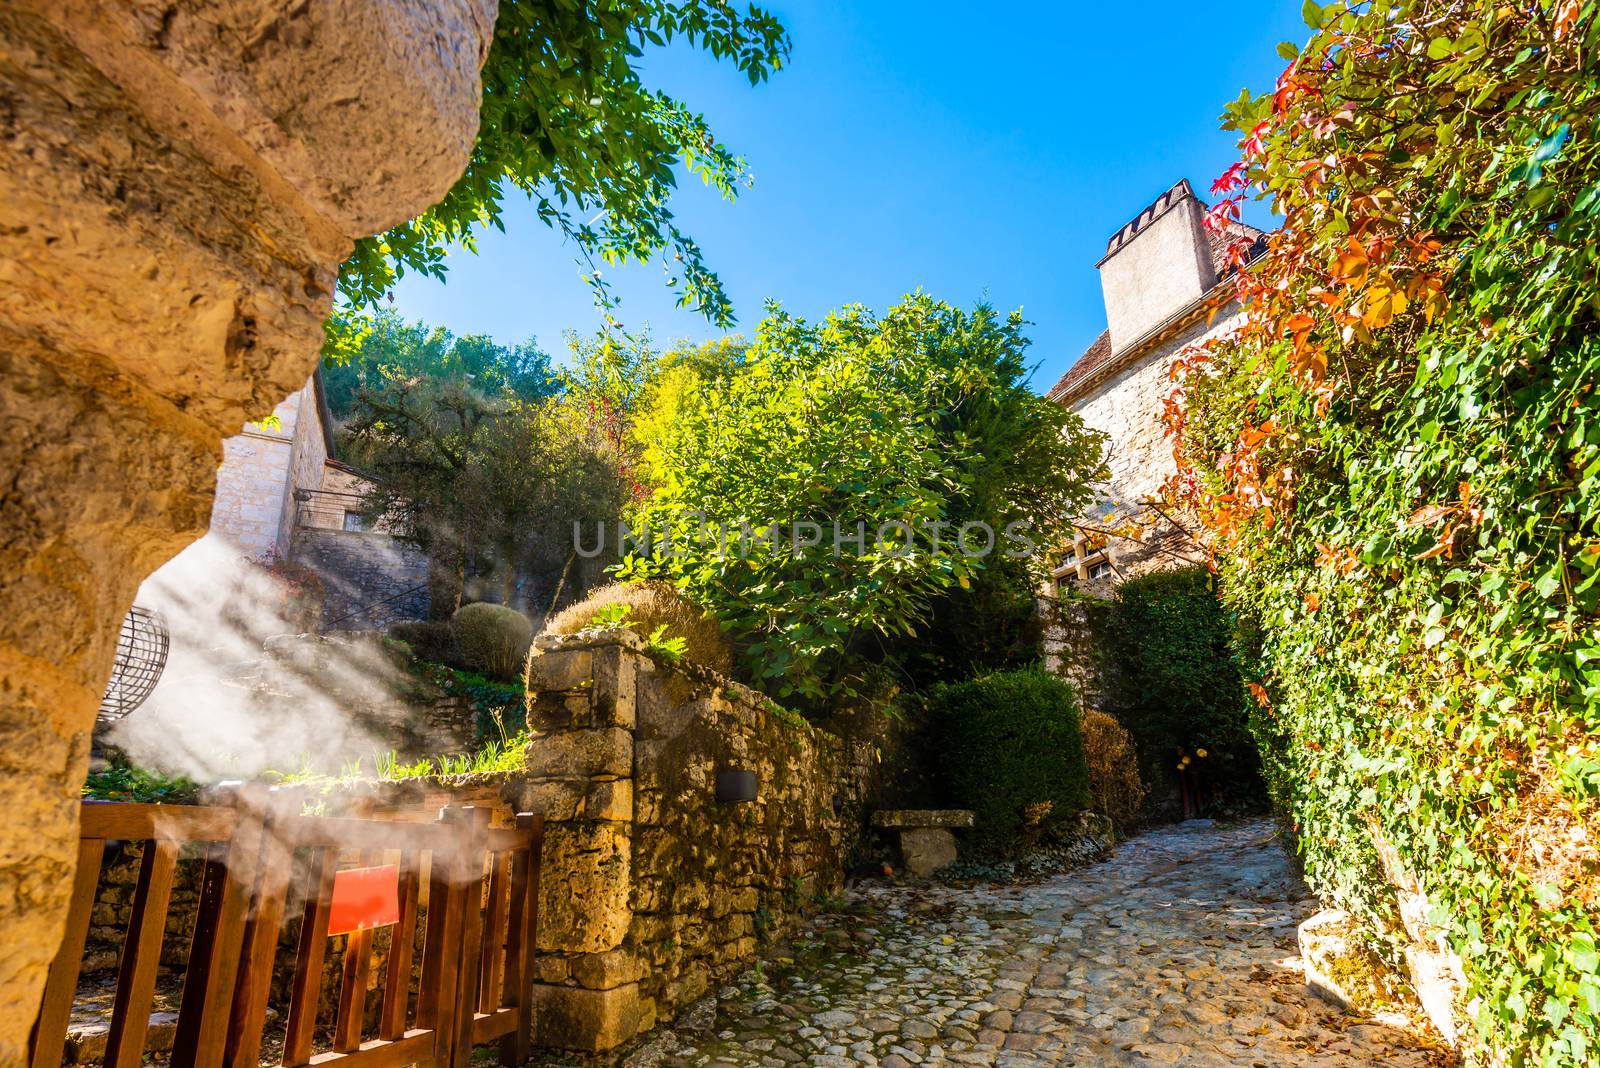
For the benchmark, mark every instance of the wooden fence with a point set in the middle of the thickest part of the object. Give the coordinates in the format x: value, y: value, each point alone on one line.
x: 473, y: 888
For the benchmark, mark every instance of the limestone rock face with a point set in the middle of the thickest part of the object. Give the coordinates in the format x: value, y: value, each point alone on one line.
x: 180, y: 181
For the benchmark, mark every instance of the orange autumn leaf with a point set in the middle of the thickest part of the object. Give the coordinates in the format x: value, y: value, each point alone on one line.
x: 1350, y: 265
x: 1566, y: 17
x: 1381, y: 303
x: 1313, y: 602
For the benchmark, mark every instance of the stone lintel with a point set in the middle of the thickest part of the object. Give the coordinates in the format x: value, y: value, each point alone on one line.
x: 900, y: 818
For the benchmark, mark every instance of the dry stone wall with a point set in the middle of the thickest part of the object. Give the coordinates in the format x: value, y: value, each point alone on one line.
x: 652, y: 888
x: 181, y: 179
x: 370, y: 580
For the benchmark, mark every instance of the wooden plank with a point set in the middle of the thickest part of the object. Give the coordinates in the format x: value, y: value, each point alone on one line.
x: 249, y: 1010
x: 415, y: 1047
x: 196, y: 973
x: 439, y: 934
x: 128, y: 821
x: 517, y: 1047
x: 489, y: 1026
x: 491, y: 953
x: 397, y: 980
x: 306, y: 987
x: 353, y: 991
x: 209, y: 1032
x: 344, y: 832
x: 477, y: 821
x: 516, y: 954
x: 141, y: 956
x: 50, y: 1027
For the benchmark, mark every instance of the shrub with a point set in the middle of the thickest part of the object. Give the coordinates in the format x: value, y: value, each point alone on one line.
x: 650, y: 605
x: 494, y: 639
x: 1173, y: 678
x: 121, y: 781
x: 1011, y: 743
x: 1114, y: 783
x: 429, y: 640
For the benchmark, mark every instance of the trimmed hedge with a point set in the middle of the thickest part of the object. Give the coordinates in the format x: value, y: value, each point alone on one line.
x: 1009, y: 742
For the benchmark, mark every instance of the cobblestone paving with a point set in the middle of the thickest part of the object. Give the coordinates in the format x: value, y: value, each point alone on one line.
x: 1177, y: 950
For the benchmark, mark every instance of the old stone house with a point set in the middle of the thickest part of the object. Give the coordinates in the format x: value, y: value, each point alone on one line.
x: 284, y: 497
x: 1163, y: 276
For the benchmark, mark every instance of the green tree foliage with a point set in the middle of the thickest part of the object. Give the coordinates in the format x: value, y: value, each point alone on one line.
x: 1398, y: 454
x: 488, y: 484
x: 1172, y: 677
x: 908, y: 425
x: 567, y: 121
x: 395, y: 349
x: 1011, y: 746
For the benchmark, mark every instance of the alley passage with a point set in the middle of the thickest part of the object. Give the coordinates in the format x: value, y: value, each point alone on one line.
x: 1178, y: 950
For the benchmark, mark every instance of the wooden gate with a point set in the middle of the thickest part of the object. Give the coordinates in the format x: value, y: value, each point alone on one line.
x: 473, y: 890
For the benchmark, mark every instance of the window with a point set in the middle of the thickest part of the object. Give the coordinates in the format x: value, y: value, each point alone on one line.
x: 353, y: 522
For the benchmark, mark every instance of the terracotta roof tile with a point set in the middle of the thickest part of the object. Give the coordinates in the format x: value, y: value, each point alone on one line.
x: 1219, y: 244
x: 1095, y: 355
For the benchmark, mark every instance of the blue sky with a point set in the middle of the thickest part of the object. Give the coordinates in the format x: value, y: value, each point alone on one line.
x: 970, y: 150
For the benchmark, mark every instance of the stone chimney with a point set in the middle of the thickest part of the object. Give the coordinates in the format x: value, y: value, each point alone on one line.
x: 1156, y: 265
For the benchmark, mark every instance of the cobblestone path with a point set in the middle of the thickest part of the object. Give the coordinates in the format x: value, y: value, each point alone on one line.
x: 1177, y: 950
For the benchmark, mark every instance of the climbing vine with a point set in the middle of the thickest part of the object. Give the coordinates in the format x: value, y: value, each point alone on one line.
x: 1395, y: 452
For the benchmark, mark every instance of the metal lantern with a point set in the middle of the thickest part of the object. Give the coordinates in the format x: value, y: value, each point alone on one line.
x: 141, y: 655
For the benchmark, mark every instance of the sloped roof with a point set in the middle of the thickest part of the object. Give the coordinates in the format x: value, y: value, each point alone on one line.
x: 1095, y: 355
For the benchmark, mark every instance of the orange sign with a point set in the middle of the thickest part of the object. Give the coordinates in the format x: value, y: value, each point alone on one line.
x: 363, y: 898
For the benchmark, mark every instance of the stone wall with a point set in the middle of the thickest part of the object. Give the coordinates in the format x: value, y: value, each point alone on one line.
x: 182, y: 180
x: 371, y: 579
x: 252, y: 485
x: 653, y: 890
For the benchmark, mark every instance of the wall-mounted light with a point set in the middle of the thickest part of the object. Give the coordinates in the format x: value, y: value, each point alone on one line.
x: 736, y: 785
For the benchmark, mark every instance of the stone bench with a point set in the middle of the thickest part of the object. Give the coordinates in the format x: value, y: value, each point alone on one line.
x: 926, y: 844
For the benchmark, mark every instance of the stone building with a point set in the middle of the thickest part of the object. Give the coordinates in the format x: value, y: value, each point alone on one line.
x: 1165, y: 285
x: 283, y: 496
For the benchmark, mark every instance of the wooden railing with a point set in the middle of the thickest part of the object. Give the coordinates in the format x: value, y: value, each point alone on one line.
x: 474, y: 890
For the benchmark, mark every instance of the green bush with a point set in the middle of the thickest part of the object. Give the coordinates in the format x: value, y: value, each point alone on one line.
x: 1172, y: 677
x: 429, y: 640
x: 815, y: 497
x: 494, y: 639
x: 1011, y: 743
x: 121, y: 781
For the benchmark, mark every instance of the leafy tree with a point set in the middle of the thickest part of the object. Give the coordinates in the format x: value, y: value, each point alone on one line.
x: 567, y: 120
x: 866, y: 436
x: 1397, y: 454
x: 488, y: 485
x: 395, y: 349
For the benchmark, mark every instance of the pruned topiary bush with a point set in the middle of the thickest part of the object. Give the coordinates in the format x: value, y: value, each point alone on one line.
x: 1011, y: 746
x: 494, y: 639
x: 1114, y: 783
x: 645, y: 607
